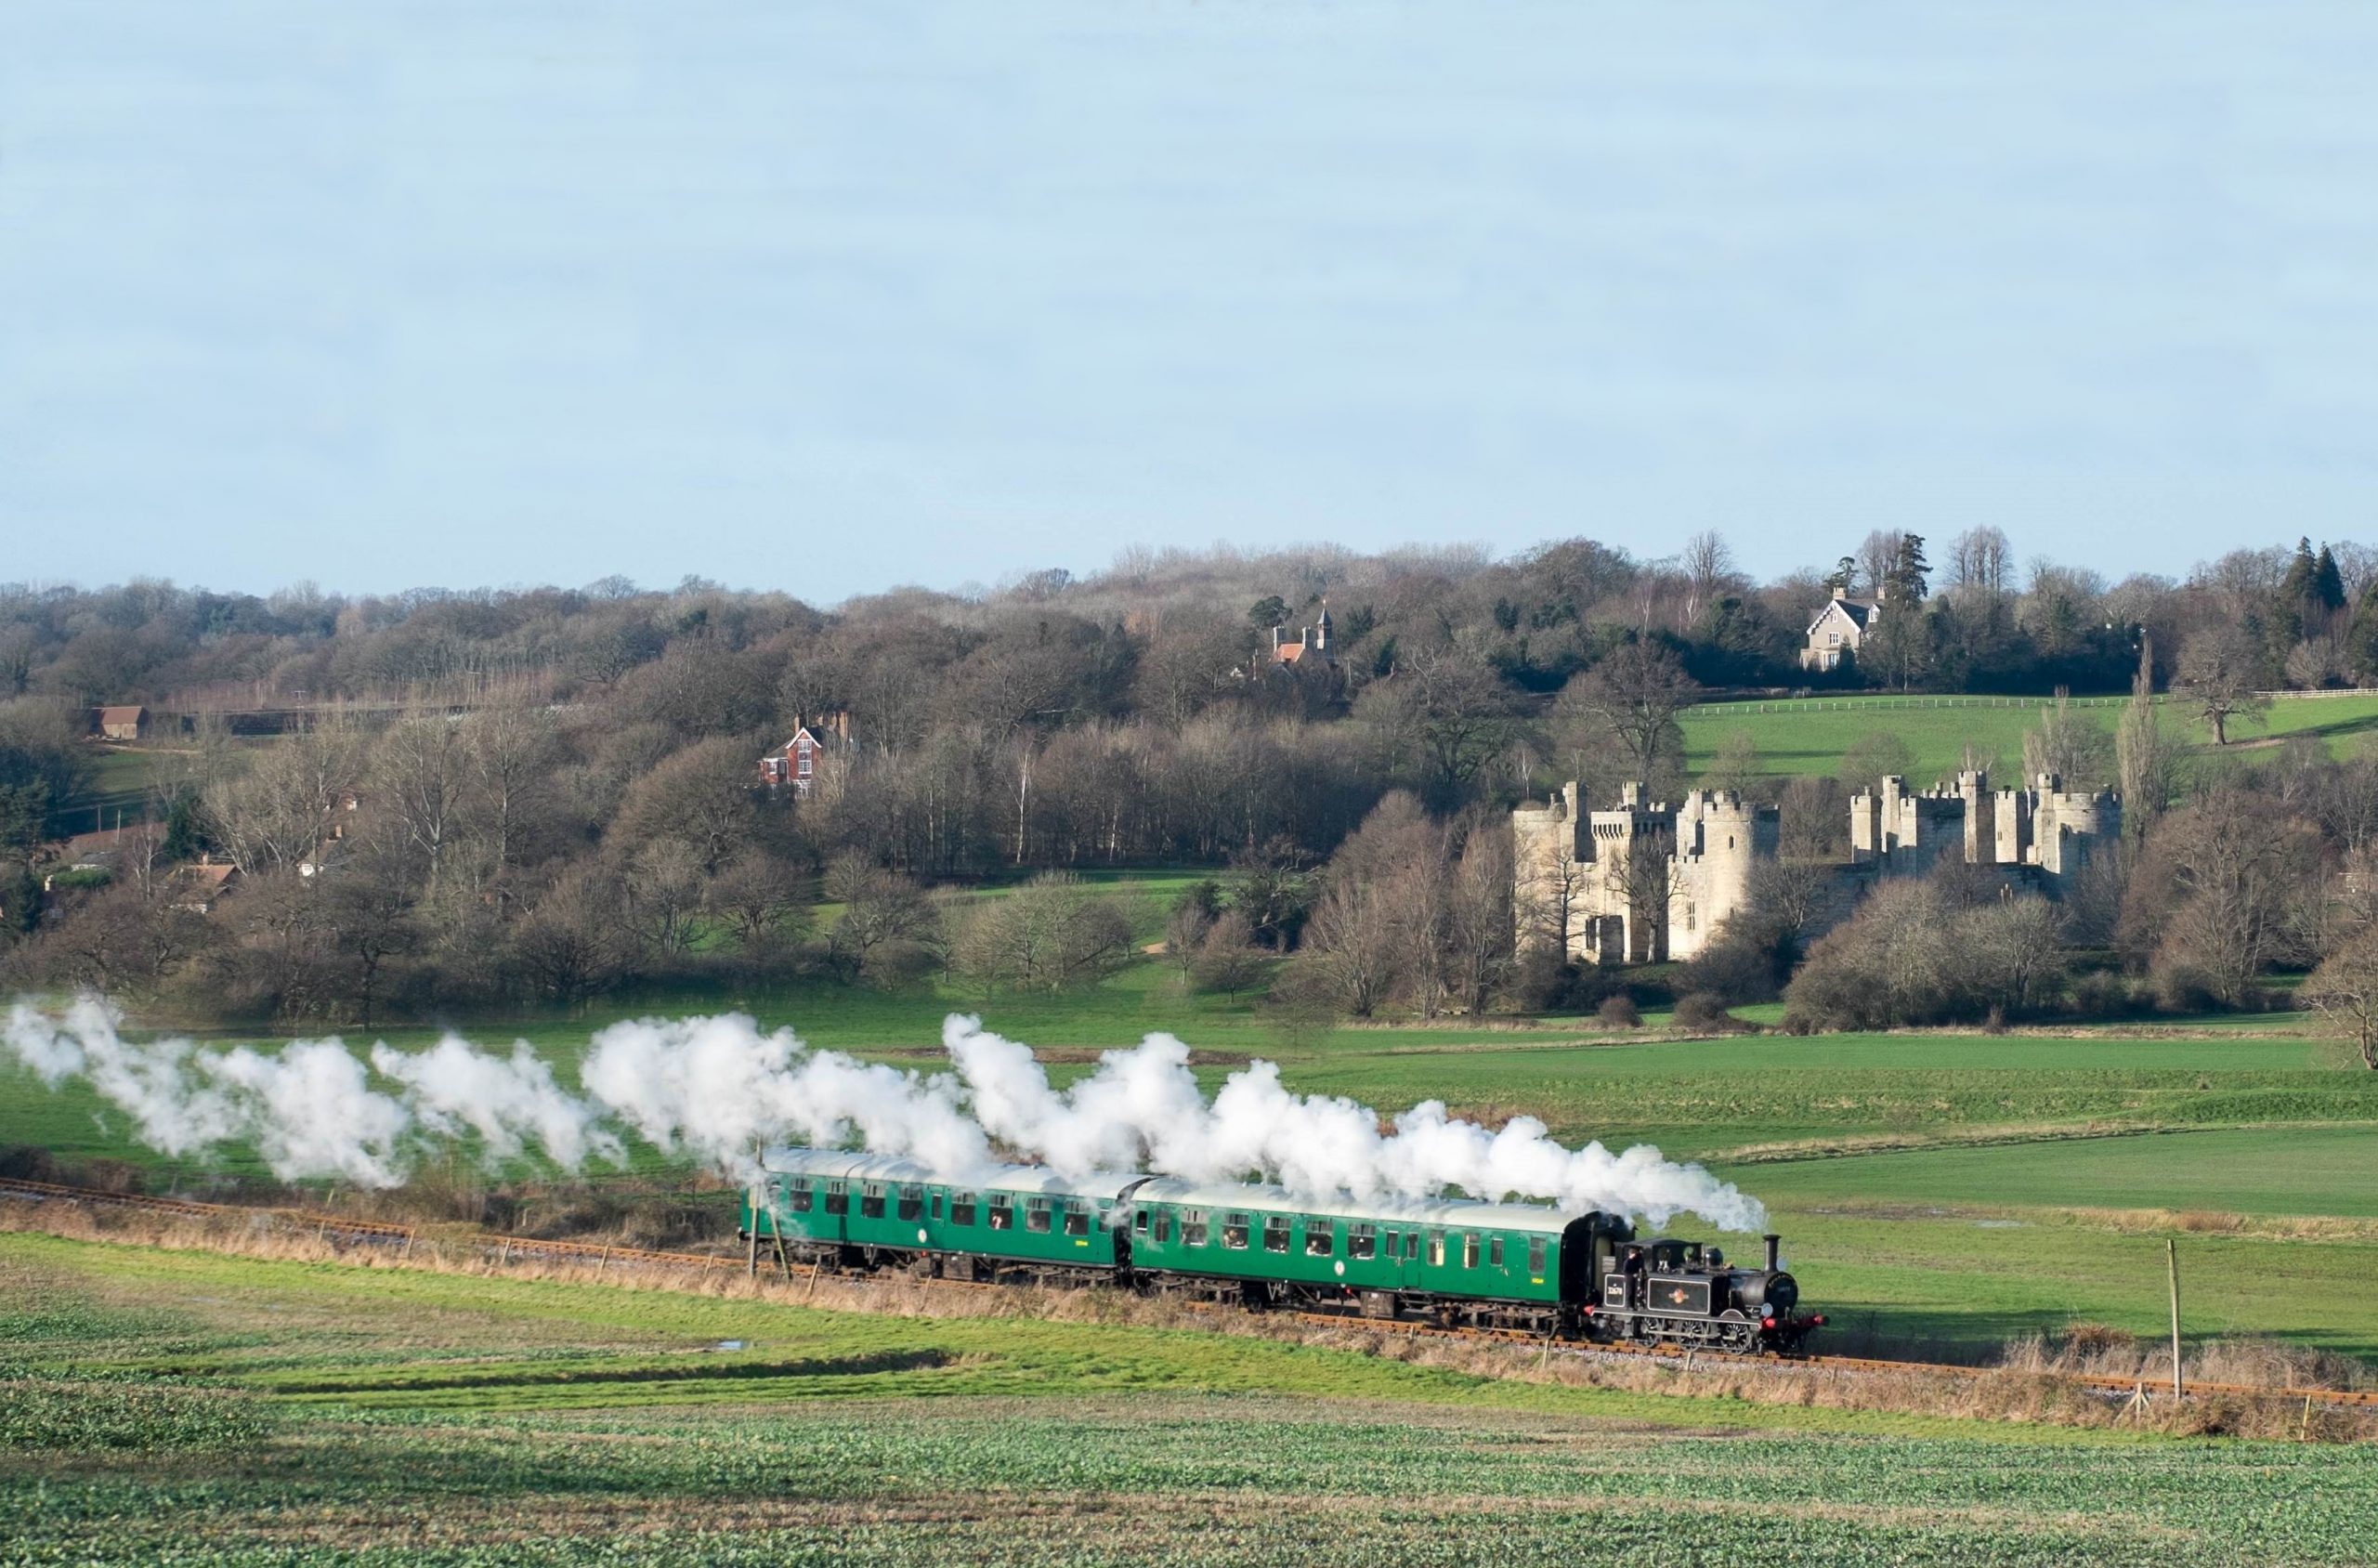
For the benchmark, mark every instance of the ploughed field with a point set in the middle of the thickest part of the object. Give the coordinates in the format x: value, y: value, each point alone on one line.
x: 1938, y: 1192
x: 188, y: 1405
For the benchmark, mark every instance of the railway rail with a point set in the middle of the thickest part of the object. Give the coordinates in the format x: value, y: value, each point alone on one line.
x: 502, y: 1249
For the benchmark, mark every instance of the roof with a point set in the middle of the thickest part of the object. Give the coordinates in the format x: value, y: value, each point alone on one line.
x: 213, y: 875
x: 1859, y: 612
x: 848, y: 1165
x: 122, y: 715
x: 1452, y: 1213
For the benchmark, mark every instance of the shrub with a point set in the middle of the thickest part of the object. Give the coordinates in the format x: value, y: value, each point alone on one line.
x: 1618, y: 1011
x: 1704, y: 1012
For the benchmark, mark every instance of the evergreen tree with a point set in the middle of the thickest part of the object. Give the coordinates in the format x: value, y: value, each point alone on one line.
x: 2328, y: 583
x: 2361, y: 641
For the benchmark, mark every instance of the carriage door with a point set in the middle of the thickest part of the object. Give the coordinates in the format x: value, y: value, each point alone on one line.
x: 1580, y: 1283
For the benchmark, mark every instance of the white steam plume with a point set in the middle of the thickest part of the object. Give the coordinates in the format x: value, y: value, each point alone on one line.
x: 722, y: 1089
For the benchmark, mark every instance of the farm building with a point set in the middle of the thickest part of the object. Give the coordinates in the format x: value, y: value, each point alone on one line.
x: 124, y: 723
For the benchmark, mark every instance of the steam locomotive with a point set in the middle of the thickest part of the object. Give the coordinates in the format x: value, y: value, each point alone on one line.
x: 1456, y: 1264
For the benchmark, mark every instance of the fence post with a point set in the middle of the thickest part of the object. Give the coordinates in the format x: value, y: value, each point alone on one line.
x: 2172, y: 1260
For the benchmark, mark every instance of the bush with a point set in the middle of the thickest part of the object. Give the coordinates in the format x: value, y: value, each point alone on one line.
x: 1619, y: 1012
x: 1705, y: 1014
x: 2105, y: 993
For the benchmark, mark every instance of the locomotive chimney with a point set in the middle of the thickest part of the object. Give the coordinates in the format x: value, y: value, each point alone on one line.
x: 1774, y: 1249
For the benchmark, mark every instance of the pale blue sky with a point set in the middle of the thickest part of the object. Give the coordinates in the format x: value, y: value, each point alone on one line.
x: 829, y: 296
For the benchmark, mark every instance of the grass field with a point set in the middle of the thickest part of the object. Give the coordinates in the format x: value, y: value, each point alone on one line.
x: 1811, y: 735
x: 285, y: 1413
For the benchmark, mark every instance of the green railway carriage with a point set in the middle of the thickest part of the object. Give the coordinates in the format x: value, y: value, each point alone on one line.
x: 833, y: 1206
x: 1502, y: 1265
x: 1481, y: 1265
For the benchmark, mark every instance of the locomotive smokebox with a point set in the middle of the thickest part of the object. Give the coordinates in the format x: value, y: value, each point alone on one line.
x: 1774, y: 1249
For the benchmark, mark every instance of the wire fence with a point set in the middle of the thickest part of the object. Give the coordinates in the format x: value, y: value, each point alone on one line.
x: 1867, y: 704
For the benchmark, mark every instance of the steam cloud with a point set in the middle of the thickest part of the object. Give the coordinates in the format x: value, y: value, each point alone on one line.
x: 720, y: 1090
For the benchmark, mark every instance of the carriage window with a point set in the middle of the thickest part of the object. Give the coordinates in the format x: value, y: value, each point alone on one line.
x: 961, y: 1209
x: 1318, y: 1242
x: 802, y: 1197
x: 1495, y: 1253
x: 1192, y: 1227
x: 1536, y: 1254
x: 1389, y: 1247
x: 1139, y: 1222
x: 1163, y: 1226
x: 1002, y: 1212
x: 912, y: 1202
x: 1362, y: 1241
x: 1469, y: 1251
x: 1411, y: 1244
x: 870, y: 1200
x: 1077, y: 1221
x: 838, y: 1197
x: 1235, y: 1231
x: 1036, y: 1214
x: 937, y: 1206
x: 1275, y: 1234
x: 1436, y: 1249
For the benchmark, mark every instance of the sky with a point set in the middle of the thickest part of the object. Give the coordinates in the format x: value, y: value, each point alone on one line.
x: 831, y: 296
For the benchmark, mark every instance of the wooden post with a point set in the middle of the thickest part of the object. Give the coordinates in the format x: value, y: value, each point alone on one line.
x: 751, y: 1255
x: 2172, y: 1260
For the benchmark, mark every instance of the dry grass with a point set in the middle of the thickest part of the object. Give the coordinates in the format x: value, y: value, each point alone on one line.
x: 2030, y: 1384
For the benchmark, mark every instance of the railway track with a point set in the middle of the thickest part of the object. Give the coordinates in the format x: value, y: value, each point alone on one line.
x: 503, y: 1248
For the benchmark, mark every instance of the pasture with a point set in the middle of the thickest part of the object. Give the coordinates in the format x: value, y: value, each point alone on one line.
x: 235, y: 1411
x: 1811, y: 735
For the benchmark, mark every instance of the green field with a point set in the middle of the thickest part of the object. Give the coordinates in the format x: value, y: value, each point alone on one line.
x: 1811, y: 735
x: 228, y: 1411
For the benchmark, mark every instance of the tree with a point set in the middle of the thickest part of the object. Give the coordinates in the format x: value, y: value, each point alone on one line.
x: 1736, y: 766
x: 1226, y: 957
x: 2213, y: 900
x: 2068, y: 745
x: 1051, y: 935
x: 1877, y: 755
x: 702, y: 795
x: 420, y: 781
x: 574, y: 943
x: 2344, y: 992
x: 1447, y: 714
x: 1626, y: 707
x: 763, y: 898
x: 2218, y: 672
x: 276, y: 813
x: 1708, y: 565
x: 2145, y: 760
x: 882, y: 913
x: 1980, y: 560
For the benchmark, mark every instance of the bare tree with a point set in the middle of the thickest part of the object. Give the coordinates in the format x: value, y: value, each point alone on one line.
x: 2218, y: 673
x: 763, y: 898
x: 1051, y: 935
x: 1980, y: 560
x: 420, y: 781
x: 284, y: 805
x: 2344, y: 992
x: 509, y: 752
x: 1226, y: 957
x: 2068, y: 744
x: 1627, y: 706
x: 1708, y: 567
x: 2146, y: 760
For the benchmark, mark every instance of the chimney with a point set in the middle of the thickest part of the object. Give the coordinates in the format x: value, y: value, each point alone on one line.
x: 1841, y: 590
x: 1775, y: 1250
x: 1276, y: 639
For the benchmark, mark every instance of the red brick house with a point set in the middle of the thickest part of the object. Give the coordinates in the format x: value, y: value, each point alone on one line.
x: 796, y: 762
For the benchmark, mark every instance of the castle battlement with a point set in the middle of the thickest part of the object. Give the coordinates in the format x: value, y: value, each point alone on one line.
x: 1643, y: 881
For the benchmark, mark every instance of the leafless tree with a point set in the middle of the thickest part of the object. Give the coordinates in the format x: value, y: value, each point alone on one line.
x: 1980, y: 560
x: 1708, y: 567
x: 1226, y: 957
x: 2219, y: 674
x: 2344, y: 992
x: 1626, y: 706
x: 275, y: 813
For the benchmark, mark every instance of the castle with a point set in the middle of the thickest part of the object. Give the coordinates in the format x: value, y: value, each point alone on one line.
x: 1645, y: 883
